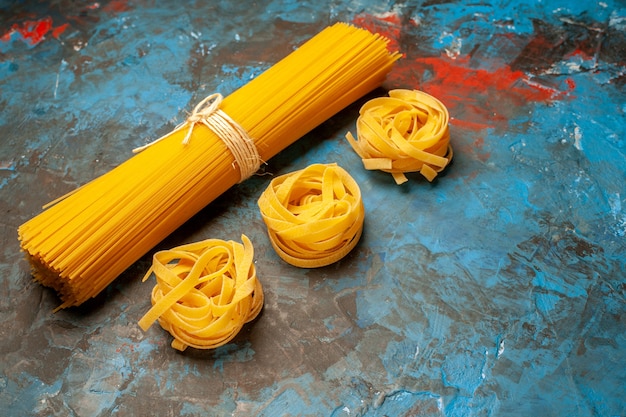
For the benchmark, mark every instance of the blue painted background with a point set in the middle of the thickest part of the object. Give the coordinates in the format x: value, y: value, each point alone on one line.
x: 499, y: 289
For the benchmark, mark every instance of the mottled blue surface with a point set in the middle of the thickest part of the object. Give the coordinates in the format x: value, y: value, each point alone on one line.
x: 497, y: 290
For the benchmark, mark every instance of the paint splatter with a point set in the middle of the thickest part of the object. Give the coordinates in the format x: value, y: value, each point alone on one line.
x: 34, y: 32
x: 477, y: 97
x: 389, y: 25
x: 117, y: 6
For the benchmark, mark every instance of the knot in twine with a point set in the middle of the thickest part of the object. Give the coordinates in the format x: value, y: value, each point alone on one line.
x: 230, y: 132
x: 314, y: 216
x: 405, y: 132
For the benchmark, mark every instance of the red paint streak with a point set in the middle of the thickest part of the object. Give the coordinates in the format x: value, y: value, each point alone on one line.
x: 478, y: 149
x: 571, y: 84
x: 451, y: 77
x: 116, y: 6
x: 466, y: 124
x: 57, y: 31
x: 580, y: 53
x: 476, y: 97
x: 128, y: 346
x: 388, y: 25
x: 34, y: 31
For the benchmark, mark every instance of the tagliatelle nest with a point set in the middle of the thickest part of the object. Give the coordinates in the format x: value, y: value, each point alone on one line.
x: 405, y: 132
x: 205, y: 292
x: 314, y: 216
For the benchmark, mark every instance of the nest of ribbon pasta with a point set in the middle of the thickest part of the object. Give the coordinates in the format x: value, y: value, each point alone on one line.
x: 205, y: 292
x: 314, y: 216
x: 405, y: 132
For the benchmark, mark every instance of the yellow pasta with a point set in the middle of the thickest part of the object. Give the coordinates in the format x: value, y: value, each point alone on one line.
x: 405, y: 132
x: 205, y: 292
x: 86, y: 239
x: 314, y: 216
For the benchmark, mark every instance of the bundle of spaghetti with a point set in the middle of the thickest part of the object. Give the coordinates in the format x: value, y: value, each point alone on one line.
x: 314, y: 216
x: 205, y: 292
x: 83, y: 241
x: 405, y: 132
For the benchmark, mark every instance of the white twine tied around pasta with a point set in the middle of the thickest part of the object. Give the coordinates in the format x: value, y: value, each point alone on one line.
x: 230, y: 132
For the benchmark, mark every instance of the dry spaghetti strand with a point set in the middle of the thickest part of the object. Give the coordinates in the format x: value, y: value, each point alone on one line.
x: 314, y: 216
x: 205, y: 292
x: 80, y: 244
x: 405, y: 132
